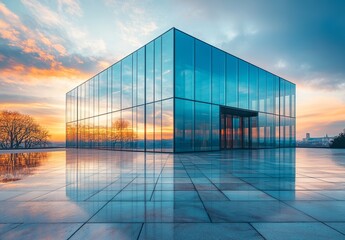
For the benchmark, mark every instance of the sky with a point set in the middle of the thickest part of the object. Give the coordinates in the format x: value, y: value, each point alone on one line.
x: 47, y: 47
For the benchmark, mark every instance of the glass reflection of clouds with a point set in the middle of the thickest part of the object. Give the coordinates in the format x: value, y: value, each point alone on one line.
x: 172, y: 94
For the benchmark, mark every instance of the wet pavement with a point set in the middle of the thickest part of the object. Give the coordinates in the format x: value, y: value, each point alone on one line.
x: 240, y: 194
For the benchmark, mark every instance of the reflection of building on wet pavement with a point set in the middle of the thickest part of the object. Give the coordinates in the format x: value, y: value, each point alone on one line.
x: 138, y: 176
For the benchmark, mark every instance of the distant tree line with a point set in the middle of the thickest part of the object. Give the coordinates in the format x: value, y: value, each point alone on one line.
x: 21, y: 131
x: 338, y: 141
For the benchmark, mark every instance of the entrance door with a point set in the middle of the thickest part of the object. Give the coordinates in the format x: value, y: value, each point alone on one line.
x: 226, y: 131
x: 236, y: 128
x: 231, y: 131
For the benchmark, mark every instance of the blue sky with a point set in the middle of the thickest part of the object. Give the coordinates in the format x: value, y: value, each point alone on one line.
x: 48, y: 47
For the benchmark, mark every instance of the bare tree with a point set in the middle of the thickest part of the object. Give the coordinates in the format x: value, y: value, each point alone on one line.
x: 21, y: 131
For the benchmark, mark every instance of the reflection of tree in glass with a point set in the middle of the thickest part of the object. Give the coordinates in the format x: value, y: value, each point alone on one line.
x: 15, y: 166
x: 122, y: 131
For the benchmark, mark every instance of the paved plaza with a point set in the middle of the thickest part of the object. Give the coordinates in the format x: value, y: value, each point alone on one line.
x: 240, y: 194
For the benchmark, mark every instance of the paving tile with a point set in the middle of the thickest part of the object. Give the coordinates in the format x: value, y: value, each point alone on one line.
x: 253, y: 211
x: 247, y: 196
x: 105, y: 231
x: 321, y: 210
x: 42, y: 231
x: 6, y: 227
x: 297, y: 195
x: 198, y: 231
x: 175, y: 196
x: 43, y: 212
x: 212, y: 196
x: 292, y: 231
x: 339, y: 226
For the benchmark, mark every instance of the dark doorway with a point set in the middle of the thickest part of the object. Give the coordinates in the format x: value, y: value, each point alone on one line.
x: 236, y: 128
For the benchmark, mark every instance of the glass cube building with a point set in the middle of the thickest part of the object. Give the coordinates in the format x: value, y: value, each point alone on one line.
x: 180, y: 94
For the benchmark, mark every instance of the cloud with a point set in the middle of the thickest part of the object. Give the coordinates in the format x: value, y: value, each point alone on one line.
x: 72, y: 7
x: 281, y: 36
x: 16, y: 98
x: 133, y: 20
x: 31, y: 53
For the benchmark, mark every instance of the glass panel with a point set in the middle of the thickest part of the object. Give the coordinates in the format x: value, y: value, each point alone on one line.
x: 262, y: 91
x: 68, y: 108
x: 276, y: 140
x: 167, y: 125
x: 88, y: 99
x: 96, y: 132
x: 127, y: 129
x: 167, y: 64
x: 218, y: 76
x: 269, y: 92
x: 158, y: 127
x: 109, y: 131
x: 293, y: 100
x: 282, y: 97
x: 202, y: 71
x: 237, y: 124
x: 116, y: 130
x: 184, y: 125
x: 103, y: 92
x: 262, y: 126
x: 149, y: 72
x: 158, y: 69
x: 215, y: 127
x: 134, y: 129
x: 243, y: 84
x: 287, y: 98
x: 79, y: 102
x: 293, y: 131
x: 286, y: 131
x: 96, y: 96
x: 150, y: 127
x: 184, y: 68
x: 246, y: 137
x: 269, y: 130
x: 276, y: 94
x: 102, y: 131
x: 231, y: 81
x: 141, y: 76
x: 91, y: 132
x: 253, y: 88
x: 141, y: 127
x: 254, y: 131
x: 135, y: 79
x: 109, y: 90
x: 116, y: 87
x: 202, y: 127
x: 126, y: 73
x: 282, y: 132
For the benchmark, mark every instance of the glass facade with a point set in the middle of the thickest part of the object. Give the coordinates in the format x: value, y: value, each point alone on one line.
x: 179, y: 94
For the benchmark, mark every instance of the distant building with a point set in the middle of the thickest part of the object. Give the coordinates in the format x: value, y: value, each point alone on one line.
x: 315, y: 141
